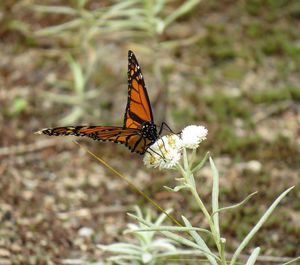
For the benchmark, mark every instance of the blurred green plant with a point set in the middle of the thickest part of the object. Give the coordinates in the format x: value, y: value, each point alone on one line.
x: 132, y: 17
x: 19, y: 105
x: 84, y: 28
x: 80, y: 99
x: 149, y: 248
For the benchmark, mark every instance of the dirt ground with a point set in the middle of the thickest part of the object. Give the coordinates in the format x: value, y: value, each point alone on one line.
x: 232, y: 67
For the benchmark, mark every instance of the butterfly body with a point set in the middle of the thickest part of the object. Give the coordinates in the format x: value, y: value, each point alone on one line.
x: 139, y: 131
x: 149, y: 130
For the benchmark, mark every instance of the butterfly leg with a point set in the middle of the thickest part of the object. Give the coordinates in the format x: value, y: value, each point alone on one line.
x: 163, y: 124
x: 164, y: 144
x: 160, y: 155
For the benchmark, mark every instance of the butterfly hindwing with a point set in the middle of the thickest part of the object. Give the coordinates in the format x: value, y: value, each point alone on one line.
x: 129, y: 137
x: 138, y: 109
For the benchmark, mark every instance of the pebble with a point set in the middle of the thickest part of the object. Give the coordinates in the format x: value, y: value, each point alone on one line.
x: 86, y: 231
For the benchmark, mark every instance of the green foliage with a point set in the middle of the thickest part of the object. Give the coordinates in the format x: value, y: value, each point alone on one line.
x: 80, y: 99
x: 18, y: 107
x: 132, y: 17
x: 233, y: 145
x: 279, y: 44
x: 225, y: 107
x: 255, y: 29
x: 283, y: 150
x: 231, y: 71
x: 217, y: 46
x: 293, y: 10
x: 180, y: 115
x: 269, y: 96
x: 150, y: 249
x: 187, y: 235
x: 294, y: 92
x: 256, y: 7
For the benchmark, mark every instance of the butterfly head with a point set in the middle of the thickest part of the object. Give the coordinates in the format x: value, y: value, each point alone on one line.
x: 149, y: 130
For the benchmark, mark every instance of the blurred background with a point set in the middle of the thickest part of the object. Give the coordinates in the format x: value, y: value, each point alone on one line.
x: 232, y: 66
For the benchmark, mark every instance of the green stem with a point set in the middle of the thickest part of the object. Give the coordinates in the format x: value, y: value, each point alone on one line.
x: 190, y: 182
x: 210, y: 222
x: 188, y: 175
x: 222, y: 253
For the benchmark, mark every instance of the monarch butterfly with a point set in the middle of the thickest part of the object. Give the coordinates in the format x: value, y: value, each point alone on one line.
x: 139, y: 131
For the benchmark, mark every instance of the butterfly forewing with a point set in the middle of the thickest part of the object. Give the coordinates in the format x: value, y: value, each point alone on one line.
x: 138, y: 109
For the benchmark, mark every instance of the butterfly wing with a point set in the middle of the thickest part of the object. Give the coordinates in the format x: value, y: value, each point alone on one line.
x: 129, y: 137
x: 138, y: 109
x: 138, y: 112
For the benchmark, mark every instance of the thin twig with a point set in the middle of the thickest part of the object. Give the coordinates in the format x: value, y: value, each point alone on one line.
x: 27, y: 148
x: 268, y: 258
x: 79, y: 262
x: 270, y: 110
x: 99, y: 210
x: 21, y: 159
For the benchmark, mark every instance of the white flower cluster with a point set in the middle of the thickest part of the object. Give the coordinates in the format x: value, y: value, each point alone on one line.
x: 193, y: 135
x: 166, y: 151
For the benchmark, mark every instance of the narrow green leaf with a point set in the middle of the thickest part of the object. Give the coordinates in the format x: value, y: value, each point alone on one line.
x: 79, y: 82
x: 258, y: 225
x: 138, y: 211
x: 122, y: 248
x: 162, y: 217
x: 185, y: 160
x: 81, y: 3
x: 215, y: 196
x: 54, y: 9
x: 124, y: 4
x: 75, y: 23
x: 160, y: 4
x: 201, y: 164
x: 236, y: 205
x: 200, y: 242
x: 61, y: 98
x: 252, y: 259
x: 176, y: 237
x: 291, y: 261
x: 120, y: 259
x: 175, y: 189
x: 129, y: 24
x: 116, y: 14
x: 169, y: 228
x: 72, y: 117
x: 222, y: 249
x: 182, y: 10
x: 188, y: 243
x: 182, y: 171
